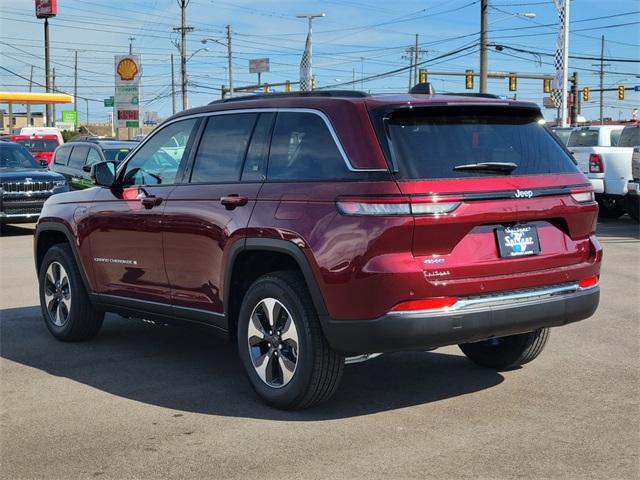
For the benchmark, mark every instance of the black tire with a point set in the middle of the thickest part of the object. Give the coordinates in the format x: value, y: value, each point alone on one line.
x: 610, y: 207
x: 503, y: 353
x: 633, y: 208
x: 318, y: 369
x: 82, y: 321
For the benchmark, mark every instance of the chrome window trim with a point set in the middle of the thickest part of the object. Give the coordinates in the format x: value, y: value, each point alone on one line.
x: 313, y: 111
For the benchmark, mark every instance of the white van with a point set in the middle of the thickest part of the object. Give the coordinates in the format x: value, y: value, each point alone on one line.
x: 42, y: 131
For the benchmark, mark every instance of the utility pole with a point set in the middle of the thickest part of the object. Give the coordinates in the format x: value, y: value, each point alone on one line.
x: 183, y: 29
x: 173, y: 88
x: 410, y: 56
x: 46, y: 69
x: 484, y: 64
x: 565, y: 63
x: 601, y: 79
x: 416, y: 53
x: 28, y: 104
x: 229, y: 59
x: 131, y: 39
x: 53, y: 107
x: 75, y: 84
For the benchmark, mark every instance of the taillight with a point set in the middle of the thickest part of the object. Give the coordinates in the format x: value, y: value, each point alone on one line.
x: 435, y: 303
x: 596, y: 165
x: 428, y: 205
x: 584, y: 196
x: 588, y: 282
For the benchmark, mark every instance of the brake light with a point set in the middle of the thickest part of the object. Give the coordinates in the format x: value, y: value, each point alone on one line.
x: 435, y: 303
x: 588, y: 282
x: 585, y: 196
x: 428, y: 205
x: 596, y: 165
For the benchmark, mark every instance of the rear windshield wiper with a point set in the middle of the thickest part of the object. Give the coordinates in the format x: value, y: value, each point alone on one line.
x: 499, y: 167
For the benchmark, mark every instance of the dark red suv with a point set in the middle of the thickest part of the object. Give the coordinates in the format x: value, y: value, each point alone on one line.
x: 318, y: 229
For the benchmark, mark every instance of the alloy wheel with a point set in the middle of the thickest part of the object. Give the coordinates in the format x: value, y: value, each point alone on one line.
x: 57, y: 294
x: 272, y: 339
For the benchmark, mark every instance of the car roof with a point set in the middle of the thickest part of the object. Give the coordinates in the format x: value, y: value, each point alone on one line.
x: 319, y: 98
x: 105, y: 144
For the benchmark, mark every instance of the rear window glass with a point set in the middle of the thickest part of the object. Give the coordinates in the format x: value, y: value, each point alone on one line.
x: 116, y: 155
x: 436, y: 142
x: 615, y: 137
x: 630, y: 137
x: 35, y: 145
x: 583, y: 138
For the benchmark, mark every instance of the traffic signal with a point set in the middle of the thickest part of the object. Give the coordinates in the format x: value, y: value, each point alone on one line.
x: 546, y: 85
x: 513, y: 83
x: 423, y: 75
x: 468, y: 79
x: 620, y: 92
x: 287, y: 86
x: 313, y: 83
x: 585, y: 94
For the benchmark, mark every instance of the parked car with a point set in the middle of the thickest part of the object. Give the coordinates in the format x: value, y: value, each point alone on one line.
x: 28, y: 131
x: 610, y: 172
x: 583, y: 140
x: 633, y: 187
x: 25, y: 184
x: 322, y: 228
x: 74, y: 159
x: 563, y: 133
x: 40, y: 146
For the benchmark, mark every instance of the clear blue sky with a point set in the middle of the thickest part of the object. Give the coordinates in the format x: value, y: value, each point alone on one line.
x: 355, y: 37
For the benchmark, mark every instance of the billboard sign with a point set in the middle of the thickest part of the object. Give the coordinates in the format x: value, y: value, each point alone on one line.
x: 126, y: 101
x: 46, y: 8
x: 259, y: 65
x: 70, y: 116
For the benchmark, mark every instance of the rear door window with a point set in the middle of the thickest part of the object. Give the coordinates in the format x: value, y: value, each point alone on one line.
x: 630, y: 137
x: 78, y: 157
x: 223, y: 148
x: 583, y: 138
x: 303, y: 149
x: 433, y: 143
x: 62, y: 155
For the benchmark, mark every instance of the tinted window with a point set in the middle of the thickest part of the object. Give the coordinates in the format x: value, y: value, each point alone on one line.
x: 15, y: 156
x: 93, y: 157
x: 630, y: 137
x: 223, y: 147
x: 116, y: 155
x: 61, y: 156
x: 302, y: 148
x: 158, y: 161
x: 34, y: 145
x: 256, y: 162
x: 583, y: 138
x: 430, y: 145
x: 615, y: 137
x: 78, y: 156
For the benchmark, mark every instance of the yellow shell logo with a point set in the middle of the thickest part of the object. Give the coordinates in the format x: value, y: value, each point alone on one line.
x: 127, y: 69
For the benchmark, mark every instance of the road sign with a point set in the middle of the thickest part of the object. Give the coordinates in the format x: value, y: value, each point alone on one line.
x: 108, y: 102
x: 69, y: 116
x: 636, y: 88
x: 126, y: 102
x: 46, y: 8
x: 547, y: 102
x: 259, y: 65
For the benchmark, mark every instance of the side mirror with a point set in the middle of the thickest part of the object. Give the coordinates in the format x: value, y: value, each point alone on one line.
x: 104, y: 174
x: 44, y: 164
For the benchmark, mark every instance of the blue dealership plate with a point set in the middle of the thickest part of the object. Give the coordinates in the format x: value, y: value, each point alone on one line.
x: 518, y: 241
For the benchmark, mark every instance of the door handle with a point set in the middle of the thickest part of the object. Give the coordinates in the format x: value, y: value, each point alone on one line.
x: 234, y: 200
x: 148, y: 201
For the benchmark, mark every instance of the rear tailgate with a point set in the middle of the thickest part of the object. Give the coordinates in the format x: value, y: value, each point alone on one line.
x: 450, y: 162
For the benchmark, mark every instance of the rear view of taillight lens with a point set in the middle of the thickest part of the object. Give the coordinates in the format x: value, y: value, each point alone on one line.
x: 588, y: 282
x: 583, y: 197
x: 391, y: 205
x: 436, y: 303
x: 595, y: 163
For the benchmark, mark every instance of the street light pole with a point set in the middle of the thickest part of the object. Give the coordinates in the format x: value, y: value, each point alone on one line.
x: 484, y: 63
x: 229, y: 60
x: 563, y: 7
x: 183, y: 29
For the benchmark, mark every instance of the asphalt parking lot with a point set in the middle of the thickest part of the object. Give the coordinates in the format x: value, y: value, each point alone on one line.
x: 144, y: 401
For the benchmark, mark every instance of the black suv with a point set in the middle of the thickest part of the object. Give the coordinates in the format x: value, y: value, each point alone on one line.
x: 73, y: 160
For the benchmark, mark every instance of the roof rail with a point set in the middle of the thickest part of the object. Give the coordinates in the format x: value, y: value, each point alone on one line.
x: 314, y: 93
x: 471, y: 94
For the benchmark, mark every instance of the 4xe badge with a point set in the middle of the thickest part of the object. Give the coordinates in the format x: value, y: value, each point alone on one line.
x: 518, y: 241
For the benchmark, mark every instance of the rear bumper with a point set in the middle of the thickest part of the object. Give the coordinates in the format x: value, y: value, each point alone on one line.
x: 597, y: 184
x: 399, y: 331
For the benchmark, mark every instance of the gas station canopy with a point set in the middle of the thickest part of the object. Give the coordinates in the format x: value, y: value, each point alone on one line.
x: 34, y: 97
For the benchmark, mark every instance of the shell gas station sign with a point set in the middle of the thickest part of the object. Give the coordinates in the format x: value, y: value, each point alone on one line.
x: 126, y: 101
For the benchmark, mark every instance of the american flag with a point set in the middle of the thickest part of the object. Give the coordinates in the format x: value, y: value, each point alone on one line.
x: 556, y: 84
x: 306, y: 74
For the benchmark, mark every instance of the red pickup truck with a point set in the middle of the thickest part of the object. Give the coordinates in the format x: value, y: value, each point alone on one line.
x: 40, y: 146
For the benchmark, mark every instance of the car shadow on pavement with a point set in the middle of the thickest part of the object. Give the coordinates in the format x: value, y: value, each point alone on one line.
x: 188, y: 370
x: 619, y: 230
x: 16, y: 230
